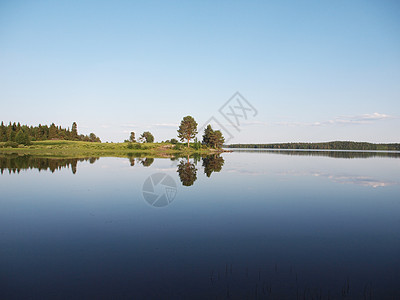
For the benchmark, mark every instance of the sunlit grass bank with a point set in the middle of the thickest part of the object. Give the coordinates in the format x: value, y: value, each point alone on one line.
x: 82, y: 149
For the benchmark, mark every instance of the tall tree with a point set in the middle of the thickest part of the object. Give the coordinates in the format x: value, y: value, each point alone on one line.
x: 208, y: 132
x: 52, y: 131
x: 22, y: 138
x: 3, y: 133
x: 188, y: 129
x: 74, y: 131
x: 217, y: 139
x: 10, y: 133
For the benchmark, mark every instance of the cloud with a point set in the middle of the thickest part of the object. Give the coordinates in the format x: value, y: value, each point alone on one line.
x: 163, y: 125
x: 365, y: 118
x: 129, y: 125
x: 343, y: 120
x: 254, y: 123
x: 149, y: 125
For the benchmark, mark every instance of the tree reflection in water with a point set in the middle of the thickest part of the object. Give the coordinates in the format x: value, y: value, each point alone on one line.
x: 212, y: 163
x: 14, y: 163
x: 187, y: 172
x: 146, y: 162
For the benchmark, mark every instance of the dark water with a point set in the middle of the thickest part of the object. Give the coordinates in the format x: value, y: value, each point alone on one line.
x: 252, y: 224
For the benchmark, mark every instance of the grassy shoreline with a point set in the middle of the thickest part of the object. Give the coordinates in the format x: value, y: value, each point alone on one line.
x: 62, y: 148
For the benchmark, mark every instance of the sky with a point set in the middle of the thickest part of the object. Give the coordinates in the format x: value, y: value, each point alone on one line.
x: 305, y: 70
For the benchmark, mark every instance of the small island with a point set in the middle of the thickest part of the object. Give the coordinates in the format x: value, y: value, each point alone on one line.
x: 54, y: 140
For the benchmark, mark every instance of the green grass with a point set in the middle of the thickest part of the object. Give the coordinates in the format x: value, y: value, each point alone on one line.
x: 82, y: 149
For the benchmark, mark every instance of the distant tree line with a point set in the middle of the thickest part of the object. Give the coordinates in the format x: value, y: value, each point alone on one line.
x: 24, y: 134
x: 336, y: 145
x: 334, y: 154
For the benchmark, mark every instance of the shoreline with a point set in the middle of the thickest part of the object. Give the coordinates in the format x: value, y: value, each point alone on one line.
x: 61, y: 148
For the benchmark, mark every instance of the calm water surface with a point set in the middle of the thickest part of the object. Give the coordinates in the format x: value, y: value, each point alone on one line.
x: 248, y: 224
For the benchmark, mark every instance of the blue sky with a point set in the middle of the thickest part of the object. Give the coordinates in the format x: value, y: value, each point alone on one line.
x: 313, y: 70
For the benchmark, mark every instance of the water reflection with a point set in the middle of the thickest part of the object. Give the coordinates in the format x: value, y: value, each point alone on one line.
x: 146, y: 162
x: 187, y: 169
x: 360, y: 180
x: 187, y: 172
x: 14, y: 163
x: 288, y: 232
x: 212, y: 163
x: 328, y: 153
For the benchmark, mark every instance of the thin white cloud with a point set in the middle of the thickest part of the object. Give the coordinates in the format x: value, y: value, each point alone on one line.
x: 149, y: 125
x: 254, y: 123
x: 366, y: 117
x: 158, y: 125
x: 129, y: 125
x: 343, y: 120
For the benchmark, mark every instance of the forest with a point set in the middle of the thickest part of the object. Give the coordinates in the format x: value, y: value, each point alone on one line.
x: 24, y: 134
x: 336, y: 145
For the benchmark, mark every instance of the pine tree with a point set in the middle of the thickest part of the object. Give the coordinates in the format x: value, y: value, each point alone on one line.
x: 3, y: 133
x: 213, y: 138
x: 208, y: 132
x: 74, y: 131
x: 22, y: 138
x: 52, y: 131
x: 188, y: 129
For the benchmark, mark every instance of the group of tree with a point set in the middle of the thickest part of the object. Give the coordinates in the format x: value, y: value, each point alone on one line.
x: 188, y: 131
x: 336, y: 145
x: 145, y: 137
x: 213, y: 138
x: 24, y: 134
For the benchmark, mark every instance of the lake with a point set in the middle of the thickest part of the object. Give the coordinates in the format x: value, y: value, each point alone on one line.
x: 247, y: 224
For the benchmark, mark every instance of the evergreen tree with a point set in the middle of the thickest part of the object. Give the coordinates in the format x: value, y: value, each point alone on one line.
x: 22, y: 137
x: 208, y: 132
x: 52, y: 131
x: 10, y: 134
x: 42, y: 132
x: 217, y: 139
x: 187, y: 129
x: 3, y: 133
x: 74, y: 131
x: 93, y: 138
x: 213, y: 138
